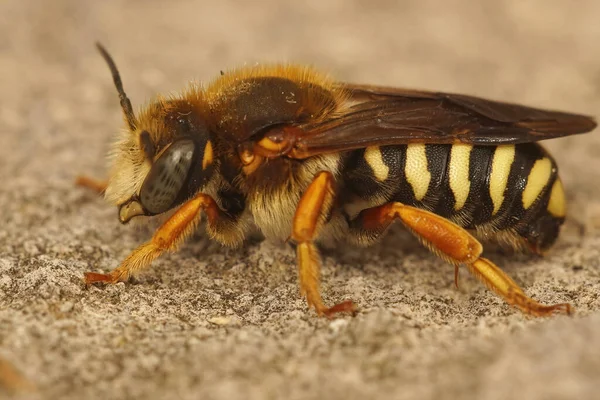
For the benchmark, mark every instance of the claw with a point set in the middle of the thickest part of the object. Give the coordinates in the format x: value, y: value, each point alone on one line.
x: 94, y: 277
x: 347, y: 306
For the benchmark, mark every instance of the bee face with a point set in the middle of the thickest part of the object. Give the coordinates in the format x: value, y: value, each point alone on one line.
x: 167, y: 176
x: 162, y: 166
x: 129, y: 168
x: 163, y: 158
x: 164, y: 183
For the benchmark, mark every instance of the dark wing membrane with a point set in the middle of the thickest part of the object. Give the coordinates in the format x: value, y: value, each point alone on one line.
x: 384, y: 116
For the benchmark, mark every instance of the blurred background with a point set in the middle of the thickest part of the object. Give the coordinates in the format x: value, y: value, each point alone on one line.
x: 536, y: 52
x: 421, y: 338
x: 540, y: 53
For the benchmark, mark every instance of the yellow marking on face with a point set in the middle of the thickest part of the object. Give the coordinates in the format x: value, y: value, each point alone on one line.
x: 459, y: 174
x: 208, y: 155
x: 557, y: 205
x: 536, y: 181
x: 504, y: 156
x: 416, y: 170
x: 374, y: 158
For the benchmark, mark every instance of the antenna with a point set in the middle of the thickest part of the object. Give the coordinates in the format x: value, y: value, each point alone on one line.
x: 125, y: 103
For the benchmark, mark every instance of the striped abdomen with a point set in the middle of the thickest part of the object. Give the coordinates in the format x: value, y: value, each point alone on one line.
x: 511, y: 192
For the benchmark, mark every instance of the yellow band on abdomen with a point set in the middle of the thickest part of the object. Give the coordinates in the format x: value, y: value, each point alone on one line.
x: 504, y: 156
x: 458, y: 174
x: 417, y: 174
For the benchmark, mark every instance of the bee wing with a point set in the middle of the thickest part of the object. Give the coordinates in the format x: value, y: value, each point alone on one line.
x: 384, y: 116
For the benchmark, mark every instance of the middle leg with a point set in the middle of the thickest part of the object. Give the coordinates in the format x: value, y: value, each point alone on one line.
x: 311, y: 214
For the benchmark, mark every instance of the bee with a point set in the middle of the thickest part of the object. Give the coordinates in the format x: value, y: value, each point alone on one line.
x: 287, y: 151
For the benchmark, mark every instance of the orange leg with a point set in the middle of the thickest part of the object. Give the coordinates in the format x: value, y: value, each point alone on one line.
x: 167, y: 238
x: 91, y: 183
x: 457, y: 246
x: 309, y: 218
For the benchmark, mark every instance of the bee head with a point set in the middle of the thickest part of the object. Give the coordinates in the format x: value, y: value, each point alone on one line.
x: 163, y: 157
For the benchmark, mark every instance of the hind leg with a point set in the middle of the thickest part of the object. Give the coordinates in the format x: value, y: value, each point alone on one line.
x: 455, y: 245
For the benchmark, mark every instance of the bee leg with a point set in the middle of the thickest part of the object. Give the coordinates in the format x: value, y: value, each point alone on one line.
x: 457, y: 246
x: 167, y: 238
x: 311, y: 213
x: 91, y: 183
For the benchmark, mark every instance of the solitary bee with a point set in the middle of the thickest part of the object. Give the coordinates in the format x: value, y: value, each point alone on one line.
x: 300, y: 157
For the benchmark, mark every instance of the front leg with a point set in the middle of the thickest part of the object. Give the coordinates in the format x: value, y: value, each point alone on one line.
x: 167, y: 238
x: 94, y: 185
x: 311, y: 213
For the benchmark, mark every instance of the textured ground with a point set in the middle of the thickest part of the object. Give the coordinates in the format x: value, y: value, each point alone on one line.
x: 213, y: 323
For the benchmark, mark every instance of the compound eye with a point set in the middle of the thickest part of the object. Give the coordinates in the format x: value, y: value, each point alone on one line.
x: 167, y: 176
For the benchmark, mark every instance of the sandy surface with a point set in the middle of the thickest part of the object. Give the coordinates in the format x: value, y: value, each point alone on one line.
x: 213, y: 323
